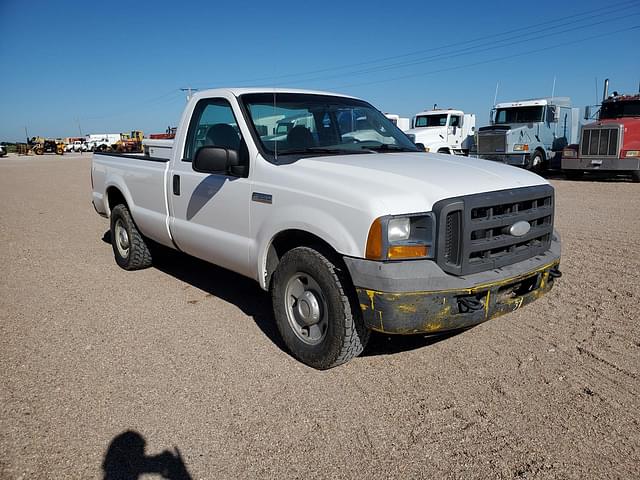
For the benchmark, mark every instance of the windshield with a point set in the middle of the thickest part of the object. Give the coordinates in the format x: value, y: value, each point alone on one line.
x: 519, y: 115
x: 302, y: 123
x: 620, y: 109
x: 431, y: 120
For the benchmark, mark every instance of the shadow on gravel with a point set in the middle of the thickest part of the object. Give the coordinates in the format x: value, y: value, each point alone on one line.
x: 381, y: 344
x: 126, y: 459
x: 255, y: 302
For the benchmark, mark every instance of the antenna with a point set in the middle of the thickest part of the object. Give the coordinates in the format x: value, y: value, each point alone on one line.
x: 495, y: 97
x: 553, y: 89
x: 189, y: 91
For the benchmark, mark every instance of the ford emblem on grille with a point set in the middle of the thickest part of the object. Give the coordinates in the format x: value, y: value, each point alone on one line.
x: 520, y: 228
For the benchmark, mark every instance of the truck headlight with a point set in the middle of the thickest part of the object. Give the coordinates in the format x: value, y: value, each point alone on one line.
x: 521, y: 147
x: 401, y: 237
x: 632, y: 153
x: 569, y: 153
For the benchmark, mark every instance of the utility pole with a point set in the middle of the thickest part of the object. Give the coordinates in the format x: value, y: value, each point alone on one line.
x: 79, y: 127
x: 189, y: 91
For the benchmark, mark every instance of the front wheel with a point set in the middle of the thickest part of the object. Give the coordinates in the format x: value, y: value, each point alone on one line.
x: 536, y: 163
x: 315, y: 310
x: 129, y: 246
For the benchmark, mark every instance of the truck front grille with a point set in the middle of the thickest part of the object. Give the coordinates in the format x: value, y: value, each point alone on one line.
x: 474, y: 230
x: 492, y: 143
x: 600, y: 141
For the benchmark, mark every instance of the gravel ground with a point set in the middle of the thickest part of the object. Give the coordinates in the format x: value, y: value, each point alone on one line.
x: 179, y: 369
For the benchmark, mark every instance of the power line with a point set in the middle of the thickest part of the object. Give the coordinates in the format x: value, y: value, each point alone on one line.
x: 519, y: 54
x: 612, y: 9
x: 459, y: 53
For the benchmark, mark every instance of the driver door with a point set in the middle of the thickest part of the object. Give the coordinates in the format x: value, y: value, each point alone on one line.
x: 210, y: 212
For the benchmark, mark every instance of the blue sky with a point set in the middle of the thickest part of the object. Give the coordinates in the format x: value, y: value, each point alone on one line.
x: 118, y: 66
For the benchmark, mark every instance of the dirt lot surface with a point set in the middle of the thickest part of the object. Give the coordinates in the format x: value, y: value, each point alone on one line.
x: 185, y: 358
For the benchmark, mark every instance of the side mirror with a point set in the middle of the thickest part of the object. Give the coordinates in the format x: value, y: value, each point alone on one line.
x: 587, y: 112
x: 210, y: 159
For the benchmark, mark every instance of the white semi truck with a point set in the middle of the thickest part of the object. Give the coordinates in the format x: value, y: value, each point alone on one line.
x: 346, y: 224
x: 443, y: 131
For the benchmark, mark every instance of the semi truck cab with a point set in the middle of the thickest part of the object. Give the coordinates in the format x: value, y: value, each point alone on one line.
x: 528, y: 133
x: 612, y: 143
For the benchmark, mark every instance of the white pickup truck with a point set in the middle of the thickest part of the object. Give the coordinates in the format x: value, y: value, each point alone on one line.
x: 348, y: 225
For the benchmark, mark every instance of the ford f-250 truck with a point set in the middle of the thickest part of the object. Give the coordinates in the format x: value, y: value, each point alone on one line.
x: 348, y: 225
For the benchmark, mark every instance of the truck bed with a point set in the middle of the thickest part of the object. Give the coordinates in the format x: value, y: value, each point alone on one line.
x: 142, y: 180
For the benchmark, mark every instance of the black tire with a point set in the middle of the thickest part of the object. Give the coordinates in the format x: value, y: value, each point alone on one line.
x: 635, y: 176
x: 537, y: 162
x: 345, y: 335
x: 446, y: 151
x: 137, y: 256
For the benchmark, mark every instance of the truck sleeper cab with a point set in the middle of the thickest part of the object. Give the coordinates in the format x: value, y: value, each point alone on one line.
x: 529, y: 133
x: 347, y: 225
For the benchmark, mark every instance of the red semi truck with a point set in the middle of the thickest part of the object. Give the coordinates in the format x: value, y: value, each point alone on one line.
x: 612, y: 143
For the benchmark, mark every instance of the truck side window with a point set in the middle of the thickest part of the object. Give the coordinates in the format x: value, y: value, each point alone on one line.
x: 455, y: 121
x: 213, y: 124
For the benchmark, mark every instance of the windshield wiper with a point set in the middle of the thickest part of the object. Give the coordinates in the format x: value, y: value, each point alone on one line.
x: 317, y: 150
x: 387, y: 148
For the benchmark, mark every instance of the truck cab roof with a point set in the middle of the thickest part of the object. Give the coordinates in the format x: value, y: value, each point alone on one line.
x: 533, y: 102
x: 245, y: 90
x: 441, y: 112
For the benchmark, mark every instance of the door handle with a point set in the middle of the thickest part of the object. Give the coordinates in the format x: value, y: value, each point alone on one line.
x: 176, y: 184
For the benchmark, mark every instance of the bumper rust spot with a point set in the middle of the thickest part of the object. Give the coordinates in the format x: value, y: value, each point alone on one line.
x: 438, y: 311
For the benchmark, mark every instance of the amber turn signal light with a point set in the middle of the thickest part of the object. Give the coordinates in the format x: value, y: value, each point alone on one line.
x: 407, y: 251
x: 374, y: 241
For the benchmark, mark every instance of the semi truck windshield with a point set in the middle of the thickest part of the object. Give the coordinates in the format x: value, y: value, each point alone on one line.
x: 620, y: 109
x: 519, y: 115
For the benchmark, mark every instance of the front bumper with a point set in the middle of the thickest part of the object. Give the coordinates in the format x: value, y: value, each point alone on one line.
x: 391, y: 303
x: 516, y: 159
x: 601, y: 164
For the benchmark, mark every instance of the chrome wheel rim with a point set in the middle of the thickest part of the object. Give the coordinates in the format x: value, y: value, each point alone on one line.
x: 306, y: 308
x: 122, y: 239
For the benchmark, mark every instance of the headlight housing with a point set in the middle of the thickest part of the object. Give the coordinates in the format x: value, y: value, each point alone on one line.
x: 632, y: 153
x: 569, y: 153
x: 521, y: 147
x: 402, y: 237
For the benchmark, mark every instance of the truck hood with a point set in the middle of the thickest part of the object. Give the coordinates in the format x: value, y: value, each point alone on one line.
x: 428, y: 134
x: 404, y: 182
x: 517, y: 133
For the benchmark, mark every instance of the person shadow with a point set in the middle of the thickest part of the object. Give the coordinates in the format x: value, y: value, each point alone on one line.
x: 125, y: 459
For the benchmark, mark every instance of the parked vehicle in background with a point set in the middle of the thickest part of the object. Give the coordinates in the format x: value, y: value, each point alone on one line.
x: 443, y: 130
x: 529, y: 133
x: 344, y: 221
x: 612, y: 143
x: 169, y: 134
x: 3, y: 150
x: 101, y: 141
x: 41, y: 145
x: 129, y: 142
x: 402, y: 123
x: 78, y: 146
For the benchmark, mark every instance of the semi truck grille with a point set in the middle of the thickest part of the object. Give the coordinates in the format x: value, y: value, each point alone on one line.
x: 600, y: 141
x: 492, y: 143
x: 474, y: 229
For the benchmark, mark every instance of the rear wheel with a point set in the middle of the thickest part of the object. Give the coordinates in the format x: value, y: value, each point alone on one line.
x: 129, y: 246
x: 315, y: 310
